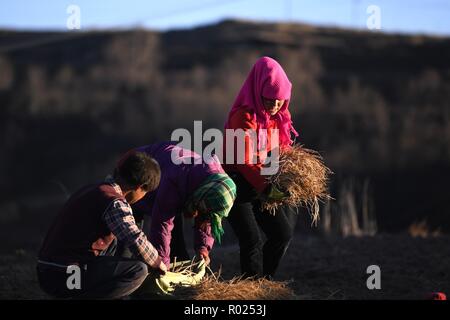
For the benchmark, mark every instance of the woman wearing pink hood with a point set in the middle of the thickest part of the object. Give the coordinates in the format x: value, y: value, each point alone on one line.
x: 260, y: 107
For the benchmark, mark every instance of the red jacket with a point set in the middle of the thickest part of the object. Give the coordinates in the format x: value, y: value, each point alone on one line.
x: 244, y: 119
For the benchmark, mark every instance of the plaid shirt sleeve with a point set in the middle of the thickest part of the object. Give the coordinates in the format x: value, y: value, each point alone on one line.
x: 119, y: 219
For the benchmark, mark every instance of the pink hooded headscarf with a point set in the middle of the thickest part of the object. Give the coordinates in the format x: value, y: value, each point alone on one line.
x: 266, y: 79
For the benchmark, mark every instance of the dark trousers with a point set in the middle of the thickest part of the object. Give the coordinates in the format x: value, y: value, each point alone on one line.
x: 258, y: 257
x: 104, y: 277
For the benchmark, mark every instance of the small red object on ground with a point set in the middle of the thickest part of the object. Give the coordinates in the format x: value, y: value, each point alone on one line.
x: 437, y: 296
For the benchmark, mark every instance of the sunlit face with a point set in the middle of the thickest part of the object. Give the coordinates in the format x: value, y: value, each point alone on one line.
x: 272, y: 106
x: 135, y: 195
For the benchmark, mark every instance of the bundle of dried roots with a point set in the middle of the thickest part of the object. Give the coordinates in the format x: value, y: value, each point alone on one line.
x: 303, y: 176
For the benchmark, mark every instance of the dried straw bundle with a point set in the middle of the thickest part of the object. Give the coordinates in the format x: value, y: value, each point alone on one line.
x: 303, y: 175
x: 187, y: 281
x: 211, y: 288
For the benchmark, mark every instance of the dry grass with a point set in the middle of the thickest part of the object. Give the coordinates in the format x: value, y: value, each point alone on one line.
x: 422, y: 230
x: 211, y: 288
x: 303, y: 175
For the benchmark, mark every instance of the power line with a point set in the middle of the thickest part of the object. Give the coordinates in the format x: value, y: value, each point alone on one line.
x: 76, y: 34
x: 289, y: 8
x: 213, y: 4
x: 198, y: 7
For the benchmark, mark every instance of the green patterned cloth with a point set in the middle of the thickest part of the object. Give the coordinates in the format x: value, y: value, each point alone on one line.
x: 218, y: 193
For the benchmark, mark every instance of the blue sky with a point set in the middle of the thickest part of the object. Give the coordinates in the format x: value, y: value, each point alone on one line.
x: 410, y: 16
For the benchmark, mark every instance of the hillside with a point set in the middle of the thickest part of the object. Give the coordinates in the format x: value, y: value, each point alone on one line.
x: 375, y: 105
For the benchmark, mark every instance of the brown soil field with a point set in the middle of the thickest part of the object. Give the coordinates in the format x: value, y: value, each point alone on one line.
x: 317, y: 268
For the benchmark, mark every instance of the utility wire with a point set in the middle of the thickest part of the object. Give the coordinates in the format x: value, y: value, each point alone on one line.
x: 76, y: 34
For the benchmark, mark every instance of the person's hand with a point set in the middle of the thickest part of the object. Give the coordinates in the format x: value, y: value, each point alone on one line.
x: 159, y: 266
x: 162, y: 268
x: 204, y: 254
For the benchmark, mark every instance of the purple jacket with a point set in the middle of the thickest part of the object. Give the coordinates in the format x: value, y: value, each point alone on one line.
x: 178, y: 182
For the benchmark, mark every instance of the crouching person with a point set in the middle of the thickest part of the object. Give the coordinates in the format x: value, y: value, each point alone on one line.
x: 76, y: 259
x: 189, y: 188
